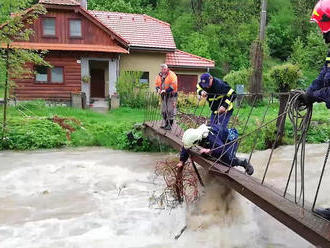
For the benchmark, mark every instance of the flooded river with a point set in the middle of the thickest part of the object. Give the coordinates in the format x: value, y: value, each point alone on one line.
x: 96, y: 197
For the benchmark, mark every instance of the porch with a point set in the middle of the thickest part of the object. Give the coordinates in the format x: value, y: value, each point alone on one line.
x: 99, y: 77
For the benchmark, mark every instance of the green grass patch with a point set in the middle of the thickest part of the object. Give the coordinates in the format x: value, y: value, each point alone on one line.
x: 30, y: 126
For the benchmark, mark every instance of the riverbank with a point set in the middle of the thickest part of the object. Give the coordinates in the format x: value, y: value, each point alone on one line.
x: 33, y: 125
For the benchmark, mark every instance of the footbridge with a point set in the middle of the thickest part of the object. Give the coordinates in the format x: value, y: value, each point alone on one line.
x: 287, y: 202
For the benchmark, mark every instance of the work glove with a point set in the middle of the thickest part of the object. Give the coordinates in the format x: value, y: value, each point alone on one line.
x: 305, y: 100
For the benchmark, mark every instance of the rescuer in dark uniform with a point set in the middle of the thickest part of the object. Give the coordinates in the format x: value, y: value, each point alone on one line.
x: 216, y: 141
x: 319, y: 90
x: 220, y: 97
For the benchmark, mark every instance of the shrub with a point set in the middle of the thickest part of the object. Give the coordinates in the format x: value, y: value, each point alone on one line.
x: 131, y: 91
x: 189, y: 101
x: 309, y: 56
x: 285, y: 77
x: 34, y: 134
x: 235, y: 78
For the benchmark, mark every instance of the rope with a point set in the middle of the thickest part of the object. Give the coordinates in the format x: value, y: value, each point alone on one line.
x: 300, y: 117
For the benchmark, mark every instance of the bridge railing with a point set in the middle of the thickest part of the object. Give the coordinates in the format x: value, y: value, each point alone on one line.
x: 252, y: 117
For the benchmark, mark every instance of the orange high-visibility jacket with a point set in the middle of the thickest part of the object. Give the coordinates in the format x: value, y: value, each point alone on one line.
x: 171, y: 81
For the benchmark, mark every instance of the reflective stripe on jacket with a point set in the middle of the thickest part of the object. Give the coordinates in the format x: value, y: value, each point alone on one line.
x: 219, y: 94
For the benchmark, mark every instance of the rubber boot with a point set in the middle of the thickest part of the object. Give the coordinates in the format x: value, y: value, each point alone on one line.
x: 324, y: 212
x: 169, y: 125
x: 247, y: 166
x: 165, y: 121
x: 165, y: 124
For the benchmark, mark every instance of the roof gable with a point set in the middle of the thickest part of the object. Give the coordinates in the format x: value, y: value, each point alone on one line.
x: 187, y: 60
x: 141, y: 31
x: 72, y: 4
x: 60, y: 2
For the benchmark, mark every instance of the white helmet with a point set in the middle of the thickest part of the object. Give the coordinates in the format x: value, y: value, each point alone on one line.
x: 192, y: 136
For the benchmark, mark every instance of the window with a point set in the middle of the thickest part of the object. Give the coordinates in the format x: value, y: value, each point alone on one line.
x: 56, y: 75
x: 145, y: 77
x: 75, y: 28
x: 49, y: 75
x: 41, y: 74
x: 49, y: 26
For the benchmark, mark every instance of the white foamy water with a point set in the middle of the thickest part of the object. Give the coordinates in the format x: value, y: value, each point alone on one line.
x: 96, y: 197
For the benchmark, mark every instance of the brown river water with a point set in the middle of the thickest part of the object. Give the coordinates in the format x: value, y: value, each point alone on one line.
x: 100, y: 198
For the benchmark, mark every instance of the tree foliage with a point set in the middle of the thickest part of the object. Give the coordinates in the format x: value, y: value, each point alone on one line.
x: 225, y: 30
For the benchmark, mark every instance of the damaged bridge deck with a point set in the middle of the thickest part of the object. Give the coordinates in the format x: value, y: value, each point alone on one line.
x: 301, y: 220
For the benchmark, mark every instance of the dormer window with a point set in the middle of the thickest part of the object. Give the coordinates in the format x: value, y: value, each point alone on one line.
x: 49, y: 26
x: 75, y: 28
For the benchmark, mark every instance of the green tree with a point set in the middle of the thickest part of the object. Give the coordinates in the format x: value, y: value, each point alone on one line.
x: 285, y: 77
x: 17, y: 27
x: 280, y: 35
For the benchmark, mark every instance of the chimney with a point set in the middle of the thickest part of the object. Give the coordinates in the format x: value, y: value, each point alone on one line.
x: 83, y: 4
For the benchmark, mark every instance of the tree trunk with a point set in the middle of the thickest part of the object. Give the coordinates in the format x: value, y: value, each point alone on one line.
x: 257, y: 55
x: 4, y: 124
x: 280, y: 123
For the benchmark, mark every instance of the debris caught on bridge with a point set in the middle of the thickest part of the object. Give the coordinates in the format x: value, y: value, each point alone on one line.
x: 181, y: 183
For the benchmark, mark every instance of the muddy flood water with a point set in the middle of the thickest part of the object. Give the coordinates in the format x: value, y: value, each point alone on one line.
x: 100, y: 198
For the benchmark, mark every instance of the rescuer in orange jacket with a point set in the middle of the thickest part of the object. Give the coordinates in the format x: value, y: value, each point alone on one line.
x: 167, y: 88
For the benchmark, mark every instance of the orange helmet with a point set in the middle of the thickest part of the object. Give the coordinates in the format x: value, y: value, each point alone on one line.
x: 321, y: 15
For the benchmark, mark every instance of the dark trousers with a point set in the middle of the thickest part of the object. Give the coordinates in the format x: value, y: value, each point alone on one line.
x: 221, y: 119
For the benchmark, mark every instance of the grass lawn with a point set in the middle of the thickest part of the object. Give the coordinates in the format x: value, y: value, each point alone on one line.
x: 30, y: 127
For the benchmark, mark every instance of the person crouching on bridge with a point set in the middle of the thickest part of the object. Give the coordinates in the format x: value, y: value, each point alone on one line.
x: 319, y: 90
x: 220, y: 97
x: 217, y: 142
x: 167, y: 88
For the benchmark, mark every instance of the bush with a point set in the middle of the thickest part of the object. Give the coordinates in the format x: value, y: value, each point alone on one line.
x: 285, y: 77
x: 131, y: 91
x: 34, y: 134
x: 235, y: 78
x: 189, y: 101
x: 309, y: 56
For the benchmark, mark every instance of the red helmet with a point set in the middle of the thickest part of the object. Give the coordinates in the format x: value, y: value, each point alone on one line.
x: 321, y: 15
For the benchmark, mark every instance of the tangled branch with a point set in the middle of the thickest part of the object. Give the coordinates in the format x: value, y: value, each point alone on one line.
x: 181, y: 183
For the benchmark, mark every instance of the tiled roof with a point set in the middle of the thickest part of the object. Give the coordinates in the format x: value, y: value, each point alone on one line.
x: 60, y: 2
x: 184, y: 59
x: 139, y: 30
x: 66, y: 47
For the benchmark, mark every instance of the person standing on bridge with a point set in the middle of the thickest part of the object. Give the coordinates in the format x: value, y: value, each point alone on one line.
x: 216, y: 141
x: 167, y: 88
x: 220, y: 97
x: 319, y: 90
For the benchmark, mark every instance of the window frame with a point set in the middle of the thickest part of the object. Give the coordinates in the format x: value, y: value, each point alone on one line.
x: 42, y: 27
x: 35, y: 77
x: 143, y: 73
x: 49, y: 76
x: 69, y: 28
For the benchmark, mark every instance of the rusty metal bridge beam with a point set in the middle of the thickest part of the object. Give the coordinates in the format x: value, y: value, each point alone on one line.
x: 302, y: 221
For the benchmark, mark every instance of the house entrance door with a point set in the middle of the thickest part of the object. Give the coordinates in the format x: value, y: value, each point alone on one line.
x: 97, y: 83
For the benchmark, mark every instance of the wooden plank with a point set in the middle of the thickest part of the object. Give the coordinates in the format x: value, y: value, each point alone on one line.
x: 302, y: 221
